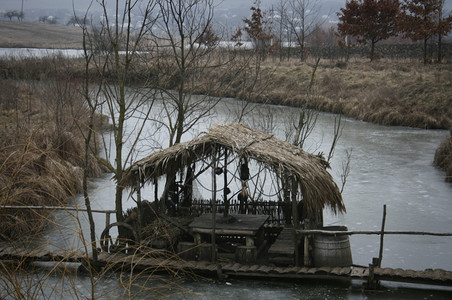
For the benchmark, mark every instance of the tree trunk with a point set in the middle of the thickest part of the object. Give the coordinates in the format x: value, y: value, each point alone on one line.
x: 425, y: 50
x: 440, y: 36
x: 372, y: 50
x: 92, y: 228
x: 440, y: 47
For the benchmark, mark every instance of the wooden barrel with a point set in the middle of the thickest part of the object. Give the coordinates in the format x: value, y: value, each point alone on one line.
x: 187, y: 251
x: 331, y: 250
x: 246, y: 255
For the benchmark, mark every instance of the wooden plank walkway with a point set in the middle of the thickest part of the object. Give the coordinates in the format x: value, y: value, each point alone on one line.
x: 174, y: 264
x: 283, y: 250
x: 284, y: 243
x: 35, y: 254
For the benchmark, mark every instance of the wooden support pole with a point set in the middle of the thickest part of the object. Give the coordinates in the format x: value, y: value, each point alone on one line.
x: 372, y: 283
x: 107, y: 219
x: 306, y: 261
x: 380, y: 255
x: 214, y: 202
x: 225, y: 177
x: 156, y: 192
x: 295, y: 218
x: 139, y: 212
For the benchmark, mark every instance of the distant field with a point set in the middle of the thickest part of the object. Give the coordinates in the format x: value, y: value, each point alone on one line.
x: 37, y: 35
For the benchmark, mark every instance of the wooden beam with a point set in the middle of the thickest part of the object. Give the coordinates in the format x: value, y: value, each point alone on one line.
x: 369, y: 232
x: 56, y: 208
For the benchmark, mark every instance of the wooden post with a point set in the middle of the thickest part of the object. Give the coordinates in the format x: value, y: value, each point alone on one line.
x: 156, y: 193
x: 214, y: 200
x: 295, y: 219
x: 107, y: 219
x: 306, y: 257
x: 372, y: 284
x: 139, y: 212
x: 225, y: 176
x: 380, y: 255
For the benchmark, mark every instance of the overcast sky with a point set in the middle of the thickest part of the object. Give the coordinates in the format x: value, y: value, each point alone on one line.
x: 332, y: 6
x: 83, y: 4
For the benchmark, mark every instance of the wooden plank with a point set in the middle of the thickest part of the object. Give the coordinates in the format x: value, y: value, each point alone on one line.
x: 283, y: 244
x: 324, y: 270
x: 253, y: 268
x: 359, y: 272
x: 292, y: 270
x: 303, y: 270
x: 371, y: 232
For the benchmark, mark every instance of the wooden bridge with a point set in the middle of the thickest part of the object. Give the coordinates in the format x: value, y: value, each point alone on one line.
x: 119, y: 261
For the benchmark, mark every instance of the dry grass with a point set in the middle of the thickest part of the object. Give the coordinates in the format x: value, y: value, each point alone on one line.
x: 387, y: 92
x: 117, y: 276
x: 443, y: 157
x: 39, y: 35
x: 40, y: 153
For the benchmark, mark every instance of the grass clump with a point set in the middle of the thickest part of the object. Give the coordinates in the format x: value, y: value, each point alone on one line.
x: 41, y: 150
x: 443, y: 157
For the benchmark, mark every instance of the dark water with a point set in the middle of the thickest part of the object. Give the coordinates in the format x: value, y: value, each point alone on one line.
x: 389, y: 165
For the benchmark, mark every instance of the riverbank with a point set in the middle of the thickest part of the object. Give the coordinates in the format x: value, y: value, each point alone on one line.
x: 385, y: 92
x: 41, y: 150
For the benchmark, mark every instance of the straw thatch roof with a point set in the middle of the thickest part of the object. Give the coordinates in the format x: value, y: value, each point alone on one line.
x: 316, y: 184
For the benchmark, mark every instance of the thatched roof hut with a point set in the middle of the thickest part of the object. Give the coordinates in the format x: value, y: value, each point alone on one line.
x: 316, y: 185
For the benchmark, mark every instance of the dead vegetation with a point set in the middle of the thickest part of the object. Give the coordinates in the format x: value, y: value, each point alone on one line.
x: 386, y: 92
x: 40, y: 152
x: 443, y: 157
x: 39, y: 35
x: 41, y: 144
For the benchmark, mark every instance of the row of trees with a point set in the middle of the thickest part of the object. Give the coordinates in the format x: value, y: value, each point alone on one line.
x: 10, y: 14
x: 292, y: 24
x: 371, y: 21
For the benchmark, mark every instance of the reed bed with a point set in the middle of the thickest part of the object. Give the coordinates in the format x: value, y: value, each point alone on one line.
x: 41, y: 154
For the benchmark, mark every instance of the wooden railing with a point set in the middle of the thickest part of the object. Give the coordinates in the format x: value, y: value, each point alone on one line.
x: 274, y: 209
x: 106, y: 212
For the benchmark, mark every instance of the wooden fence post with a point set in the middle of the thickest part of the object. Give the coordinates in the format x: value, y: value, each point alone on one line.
x: 380, y: 255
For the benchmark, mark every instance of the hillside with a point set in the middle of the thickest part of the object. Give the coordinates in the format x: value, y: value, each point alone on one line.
x: 38, y: 35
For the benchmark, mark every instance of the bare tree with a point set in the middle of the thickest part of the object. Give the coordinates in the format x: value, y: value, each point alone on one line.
x: 279, y: 15
x: 185, y: 51
x: 123, y: 103
x: 183, y: 56
x: 303, y: 17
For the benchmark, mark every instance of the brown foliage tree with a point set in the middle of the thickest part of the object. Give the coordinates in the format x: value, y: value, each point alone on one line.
x: 422, y: 19
x: 369, y: 21
x: 259, y: 31
x: 208, y: 38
